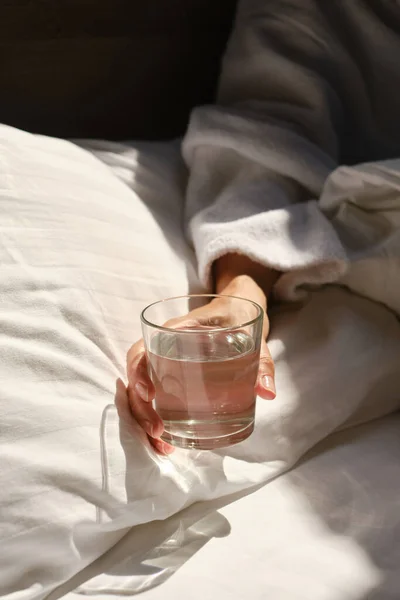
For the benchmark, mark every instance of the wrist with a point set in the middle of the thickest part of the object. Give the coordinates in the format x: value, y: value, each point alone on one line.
x: 243, y: 286
x: 236, y: 272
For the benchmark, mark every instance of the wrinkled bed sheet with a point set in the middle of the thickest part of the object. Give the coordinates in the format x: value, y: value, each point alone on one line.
x: 89, y: 237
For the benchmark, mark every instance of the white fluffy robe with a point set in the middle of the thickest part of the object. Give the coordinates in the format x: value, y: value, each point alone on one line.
x: 242, y: 198
x: 349, y: 234
x: 293, y: 100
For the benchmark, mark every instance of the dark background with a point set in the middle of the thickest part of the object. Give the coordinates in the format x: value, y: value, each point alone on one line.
x: 114, y: 69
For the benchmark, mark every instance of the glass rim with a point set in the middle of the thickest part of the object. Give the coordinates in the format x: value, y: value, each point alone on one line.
x: 145, y: 321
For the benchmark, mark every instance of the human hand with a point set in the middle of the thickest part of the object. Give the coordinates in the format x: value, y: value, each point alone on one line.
x: 220, y: 312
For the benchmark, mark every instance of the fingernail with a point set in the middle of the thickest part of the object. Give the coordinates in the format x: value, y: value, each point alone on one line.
x: 269, y: 384
x: 142, y: 391
x: 148, y: 427
x: 163, y: 448
x: 168, y: 449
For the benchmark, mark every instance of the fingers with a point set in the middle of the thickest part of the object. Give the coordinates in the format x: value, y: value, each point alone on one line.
x: 149, y: 421
x: 265, y: 386
x: 140, y: 394
x: 138, y: 375
x: 141, y: 391
x: 161, y: 447
x: 145, y: 414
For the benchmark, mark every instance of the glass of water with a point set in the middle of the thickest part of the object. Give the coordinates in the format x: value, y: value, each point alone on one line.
x: 204, y: 373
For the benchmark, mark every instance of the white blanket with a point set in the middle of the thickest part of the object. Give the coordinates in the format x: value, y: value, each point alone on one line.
x: 363, y: 204
x: 327, y: 530
x: 80, y: 253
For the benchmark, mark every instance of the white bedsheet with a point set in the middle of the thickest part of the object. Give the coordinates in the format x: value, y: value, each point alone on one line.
x: 88, y: 238
x: 327, y: 530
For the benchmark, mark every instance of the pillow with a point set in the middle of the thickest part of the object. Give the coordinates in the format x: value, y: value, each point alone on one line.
x: 81, y: 254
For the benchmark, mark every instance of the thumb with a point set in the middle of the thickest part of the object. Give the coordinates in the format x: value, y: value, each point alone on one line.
x: 265, y: 386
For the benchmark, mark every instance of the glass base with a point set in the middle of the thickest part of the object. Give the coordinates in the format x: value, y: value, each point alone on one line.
x: 175, y: 438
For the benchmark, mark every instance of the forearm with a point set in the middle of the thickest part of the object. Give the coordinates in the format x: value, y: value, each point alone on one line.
x: 231, y: 270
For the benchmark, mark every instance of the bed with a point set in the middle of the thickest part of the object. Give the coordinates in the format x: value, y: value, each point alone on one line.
x: 90, y: 233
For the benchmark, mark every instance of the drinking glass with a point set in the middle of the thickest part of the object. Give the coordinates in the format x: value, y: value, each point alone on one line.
x: 204, y: 374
